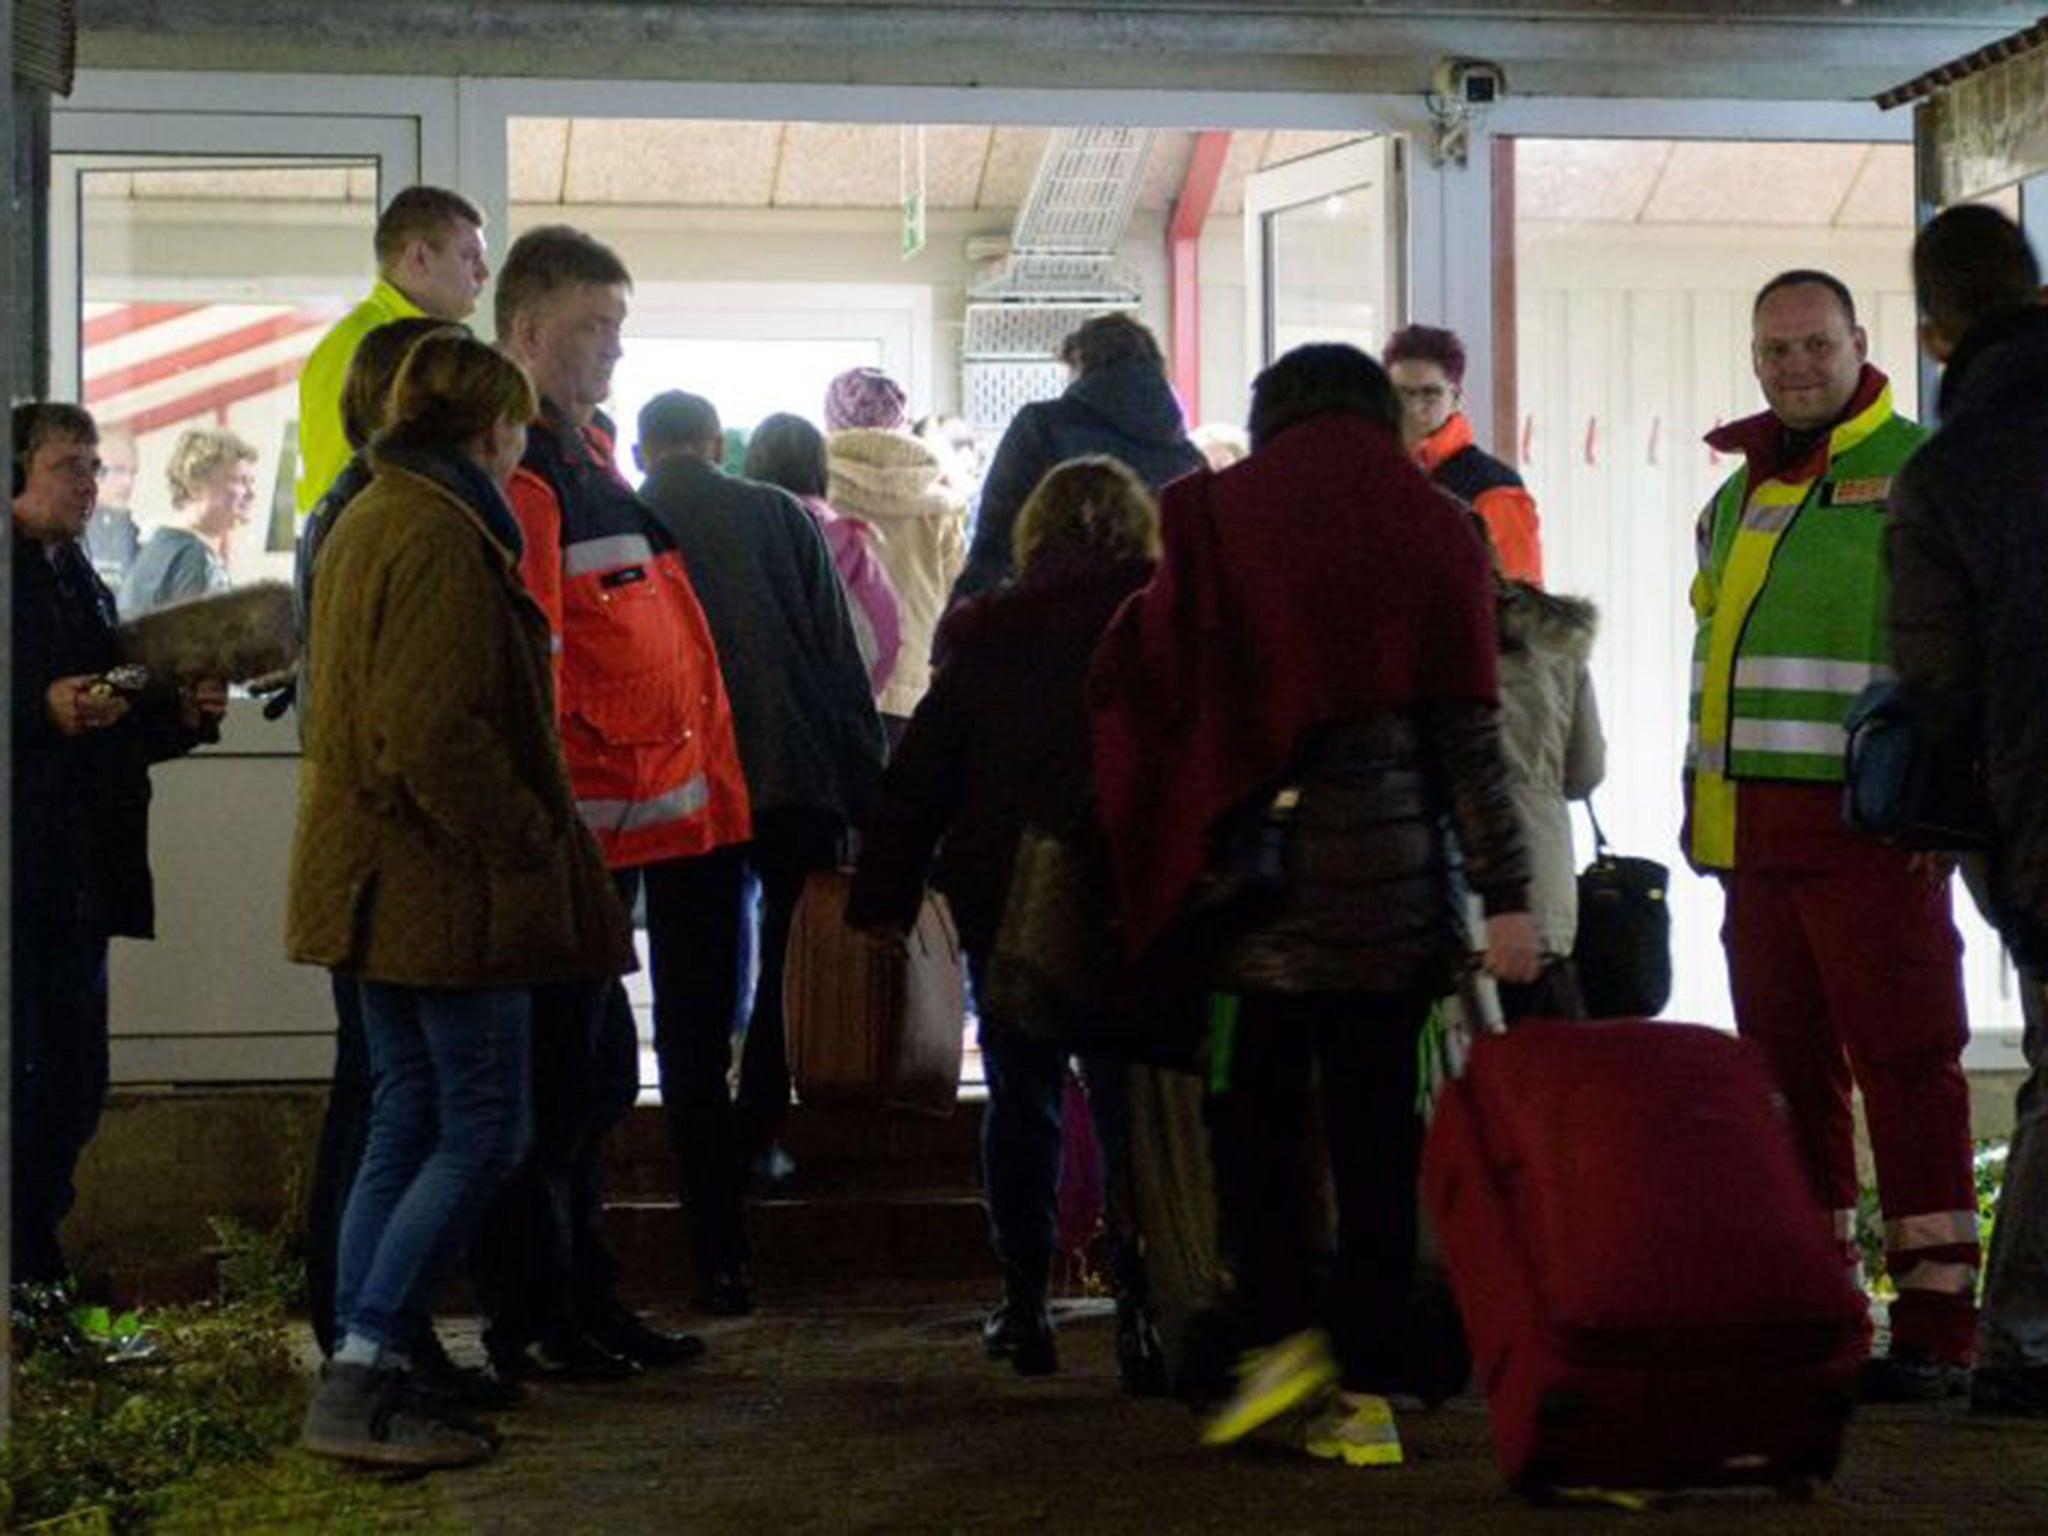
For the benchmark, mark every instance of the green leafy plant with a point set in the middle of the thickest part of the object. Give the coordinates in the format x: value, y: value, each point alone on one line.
x: 258, y: 1268
x: 103, y: 1428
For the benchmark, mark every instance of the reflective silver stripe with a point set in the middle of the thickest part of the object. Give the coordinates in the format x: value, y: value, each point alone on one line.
x: 1818, y: 737
x: 1930, y: 1229
x: 1808, y: 675
x: 1769, y: 517
x: 580, y: 559
x: 1708, y: 757
x: 685, y: 800
x: 1699, y: 677
x: 1941, y: 1279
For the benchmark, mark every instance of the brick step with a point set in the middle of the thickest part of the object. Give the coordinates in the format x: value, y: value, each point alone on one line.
x: 836, y: 1152
x: 927, y: 1234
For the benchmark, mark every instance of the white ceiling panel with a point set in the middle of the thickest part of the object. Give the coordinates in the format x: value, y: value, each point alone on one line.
x: 1012, y: 157
x: 1881, y: 197
x: 1600, y: 181
x: 682, y: 164
x: 1781, y: 184
x: 538, y: 149
x: 840, y: 165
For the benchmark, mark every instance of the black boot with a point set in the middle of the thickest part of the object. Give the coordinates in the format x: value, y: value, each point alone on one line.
x: 1140, y: 1353
x: 1020, y: 1329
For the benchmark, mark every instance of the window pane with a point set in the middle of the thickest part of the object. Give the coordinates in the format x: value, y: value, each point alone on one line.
x: 203, y: 286
x: 1325, y: 271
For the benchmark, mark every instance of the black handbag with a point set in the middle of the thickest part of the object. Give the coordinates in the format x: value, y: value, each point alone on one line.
x: 1623, y: 949
x: 1902, y: 783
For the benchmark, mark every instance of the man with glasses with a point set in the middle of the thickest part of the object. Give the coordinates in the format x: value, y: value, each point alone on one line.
x: 1427, y: 365
x: 84, y: 736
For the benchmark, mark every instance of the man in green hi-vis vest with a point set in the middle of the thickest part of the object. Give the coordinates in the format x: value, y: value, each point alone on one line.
x: 1843, y: 957
x: 430, y: 261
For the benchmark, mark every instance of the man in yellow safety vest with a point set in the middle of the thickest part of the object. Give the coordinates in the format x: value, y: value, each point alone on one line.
x: 430, y: 261
x: 1843, y: 958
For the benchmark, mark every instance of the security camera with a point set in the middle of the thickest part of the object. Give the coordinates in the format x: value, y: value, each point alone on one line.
x: 1470, y: 83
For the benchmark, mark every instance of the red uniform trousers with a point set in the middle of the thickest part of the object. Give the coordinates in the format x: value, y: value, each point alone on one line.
x: 1851, y: 965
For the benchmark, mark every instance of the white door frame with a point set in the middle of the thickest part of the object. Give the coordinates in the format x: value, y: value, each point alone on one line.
x: 1375, y: 163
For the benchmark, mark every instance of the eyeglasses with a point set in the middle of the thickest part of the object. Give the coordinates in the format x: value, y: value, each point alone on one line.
x: 78, y: 467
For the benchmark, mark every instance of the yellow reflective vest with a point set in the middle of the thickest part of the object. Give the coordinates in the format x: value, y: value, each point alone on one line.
x: 323, y: 446
x: 1789, y: 606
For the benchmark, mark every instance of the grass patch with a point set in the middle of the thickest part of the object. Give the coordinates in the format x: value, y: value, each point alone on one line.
x: 181, y: 1419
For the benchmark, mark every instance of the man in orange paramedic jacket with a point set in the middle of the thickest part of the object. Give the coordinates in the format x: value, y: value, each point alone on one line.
x: 648, y: 735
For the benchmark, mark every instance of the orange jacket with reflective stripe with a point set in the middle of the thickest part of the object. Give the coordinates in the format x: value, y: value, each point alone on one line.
x: 1450, y: 458
x: 645, y: 723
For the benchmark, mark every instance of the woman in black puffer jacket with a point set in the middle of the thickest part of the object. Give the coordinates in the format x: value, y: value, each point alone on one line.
x: 999, y: 745
x: 1313, y: 671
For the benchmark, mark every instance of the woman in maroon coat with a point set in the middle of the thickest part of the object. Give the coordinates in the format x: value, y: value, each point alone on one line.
x: 999, y: 745
x: 1319, y: 639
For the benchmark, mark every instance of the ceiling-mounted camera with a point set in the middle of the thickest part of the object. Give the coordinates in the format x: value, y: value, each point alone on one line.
x: 1474, y: 83
x: 1461, y: 91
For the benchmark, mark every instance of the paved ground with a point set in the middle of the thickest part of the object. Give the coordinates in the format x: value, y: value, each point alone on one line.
x: 877, y: 1413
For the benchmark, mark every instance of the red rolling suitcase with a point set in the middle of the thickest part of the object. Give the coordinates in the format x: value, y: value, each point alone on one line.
x: 1650, y: 1287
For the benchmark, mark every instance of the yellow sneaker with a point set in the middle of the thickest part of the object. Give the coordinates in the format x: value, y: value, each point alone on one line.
x: 1357, y: 1427
x: 1271, y: 1382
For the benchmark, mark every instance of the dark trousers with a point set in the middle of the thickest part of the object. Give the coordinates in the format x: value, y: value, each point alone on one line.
x: 1364, y: 1044
x: 789, y: 842
x: 59, y: 1081
x: 1022, y: 1138
x: 343, y: 1134
x: 697, y: 958
x: 523, y: 1257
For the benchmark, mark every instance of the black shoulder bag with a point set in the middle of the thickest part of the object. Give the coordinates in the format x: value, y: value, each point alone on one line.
x: 1902, y: 783
x: 1623, y: 949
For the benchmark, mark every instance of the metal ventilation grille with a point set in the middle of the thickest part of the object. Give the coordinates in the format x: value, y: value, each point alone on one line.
x: 1084, y: 192
x: 1062, y: 269
x: 991, y: 393
x: 46, y: 43
x: 1009, y: 357
x: 1027, y: 332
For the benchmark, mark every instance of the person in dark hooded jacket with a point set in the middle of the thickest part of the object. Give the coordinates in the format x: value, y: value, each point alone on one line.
x: 1968, y: 546
x: 1000, y: 745
x: 1118, y: 404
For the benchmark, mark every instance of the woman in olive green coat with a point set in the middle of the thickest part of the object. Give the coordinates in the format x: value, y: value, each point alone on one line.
x: 439, y: 860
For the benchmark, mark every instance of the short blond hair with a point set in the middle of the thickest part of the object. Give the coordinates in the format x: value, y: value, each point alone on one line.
x: 201, y: 453
x: 1094, y: 505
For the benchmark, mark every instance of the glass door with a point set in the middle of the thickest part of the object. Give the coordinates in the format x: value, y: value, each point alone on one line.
x: 195, y: 262
x: 1324, y: 243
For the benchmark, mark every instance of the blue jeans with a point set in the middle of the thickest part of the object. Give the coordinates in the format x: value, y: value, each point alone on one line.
x: 1023, y: 1135
x: 450, y: 1116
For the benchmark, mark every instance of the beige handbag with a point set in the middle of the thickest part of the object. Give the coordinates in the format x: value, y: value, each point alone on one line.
x: 870, y: 1026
